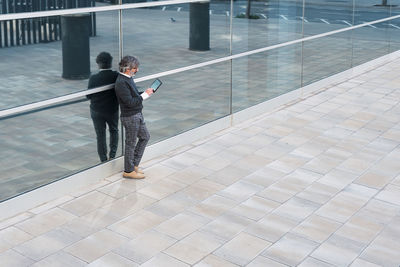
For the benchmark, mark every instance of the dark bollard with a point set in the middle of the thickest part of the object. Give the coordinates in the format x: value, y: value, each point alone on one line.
x: 199, y: 36
x: 75, y: 30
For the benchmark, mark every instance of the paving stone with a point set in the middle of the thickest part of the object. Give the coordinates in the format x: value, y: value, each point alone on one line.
x: 226, y: 226
x: 212, y: 260
x: 45, y: 222
x: 316, y: 228
x: 341, y: 207
x: 87, y: 203
x: 255, y: 208
x: 310, y: 262
x: 161, y: 189
x: 390, y: 194
x: 164, y: 260
x: 296, y: 209
x: 290, y: 249
x: 213, y: 206
x: 122, y: 188
x: 242, y: 249
x: 60, y: 259
x: 96, y: 245
x: 240, y: 191
x: 182, y: 225
x: 271, y: 228
x: 136, y: 224
x: 144, y: 247
x: 47, y: 244
x: 363, y: 263
x: 194, y: 247
x: 261, y: 261
x: 12, y: 258
x: 112, y: 259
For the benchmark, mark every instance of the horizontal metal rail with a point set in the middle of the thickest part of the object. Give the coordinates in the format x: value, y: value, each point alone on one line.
x: 57, y: 100
x: 59, y: 12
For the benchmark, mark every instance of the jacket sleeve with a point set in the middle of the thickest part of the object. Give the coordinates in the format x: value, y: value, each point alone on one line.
x: 123, y: 92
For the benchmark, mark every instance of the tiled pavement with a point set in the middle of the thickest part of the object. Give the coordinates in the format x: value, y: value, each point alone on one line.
x: 314, y: 183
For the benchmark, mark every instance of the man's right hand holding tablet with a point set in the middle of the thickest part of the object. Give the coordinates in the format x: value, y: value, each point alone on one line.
x: 147, y: 93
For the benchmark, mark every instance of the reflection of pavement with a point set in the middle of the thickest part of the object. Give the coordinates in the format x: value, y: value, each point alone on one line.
x: 316, y: 183
x: 43, y: 146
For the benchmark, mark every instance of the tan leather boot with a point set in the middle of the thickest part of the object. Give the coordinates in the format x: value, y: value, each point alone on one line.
x: 133, y: 175
x: 137, y: 170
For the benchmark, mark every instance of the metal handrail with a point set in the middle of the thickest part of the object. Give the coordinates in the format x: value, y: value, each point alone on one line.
x: 59, y: 12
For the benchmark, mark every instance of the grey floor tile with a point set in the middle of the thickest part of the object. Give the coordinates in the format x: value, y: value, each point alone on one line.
x: 316, y: 228
x: 145, y: 247
x: 136, y: 224
x: 182, y: 225
x: 226, y: 226
x: 47, y: 244
x: 242, y: 249
x: 12, y: 258
x: 212, y: 260
x: 271, y: 228
x: 363, y: 263
x: 255, y: 208
x: 96, y: 245
x: 163, y: 260
x: 194, y: 247
x: 240, y: 191
x: 46, y: 221
x: 313, y: 262
x: 290, y: 249
x: 112, y: 260
x: 261, y: 261
x: 87, y: 203
x: 60, y: 259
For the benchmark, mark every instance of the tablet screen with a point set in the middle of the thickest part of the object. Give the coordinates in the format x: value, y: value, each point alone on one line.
x: 156, y: 84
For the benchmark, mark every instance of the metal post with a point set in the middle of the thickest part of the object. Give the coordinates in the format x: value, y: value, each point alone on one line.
x: 75, y: 46
x: 199, y: 35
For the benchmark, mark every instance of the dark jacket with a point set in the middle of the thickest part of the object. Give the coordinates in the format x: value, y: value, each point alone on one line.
x: 103, y: 102
x: 128, y: 96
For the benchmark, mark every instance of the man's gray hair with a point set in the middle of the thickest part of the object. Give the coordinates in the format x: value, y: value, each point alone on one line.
x: 127, y: 63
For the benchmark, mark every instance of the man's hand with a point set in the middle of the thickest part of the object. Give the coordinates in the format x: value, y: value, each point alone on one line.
x: 149, y: 91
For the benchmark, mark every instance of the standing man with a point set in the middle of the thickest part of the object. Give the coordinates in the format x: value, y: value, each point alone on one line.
x: 104, y: 107
x: 130, y: 101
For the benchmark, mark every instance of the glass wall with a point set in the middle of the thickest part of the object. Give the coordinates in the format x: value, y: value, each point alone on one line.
x: 47, y: 57
x: 263, y: 76
x: 48, y: 69
x: 45, y: 146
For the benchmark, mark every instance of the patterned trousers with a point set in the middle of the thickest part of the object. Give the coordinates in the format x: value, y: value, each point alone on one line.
x: 135, y: 128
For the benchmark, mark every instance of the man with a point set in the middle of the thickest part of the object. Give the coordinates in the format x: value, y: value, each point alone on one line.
x: 130, y: 101
x: 104, y: 107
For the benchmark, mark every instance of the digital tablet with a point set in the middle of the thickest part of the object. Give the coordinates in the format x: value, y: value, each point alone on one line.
x: 155, y: 85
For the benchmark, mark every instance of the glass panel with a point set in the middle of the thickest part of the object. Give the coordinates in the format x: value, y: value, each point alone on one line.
x: 162, y: 39
x: 263, y: 76
x: 366, y: 11
x: 394, y: 34
x: 370, y: 42
x: 326, y: 56
x: 18, y: 6
x: 270, y: 22
x: 42, y: 147
x: 44, y: 67
x: 324, y: 16
x: 187, y: 100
